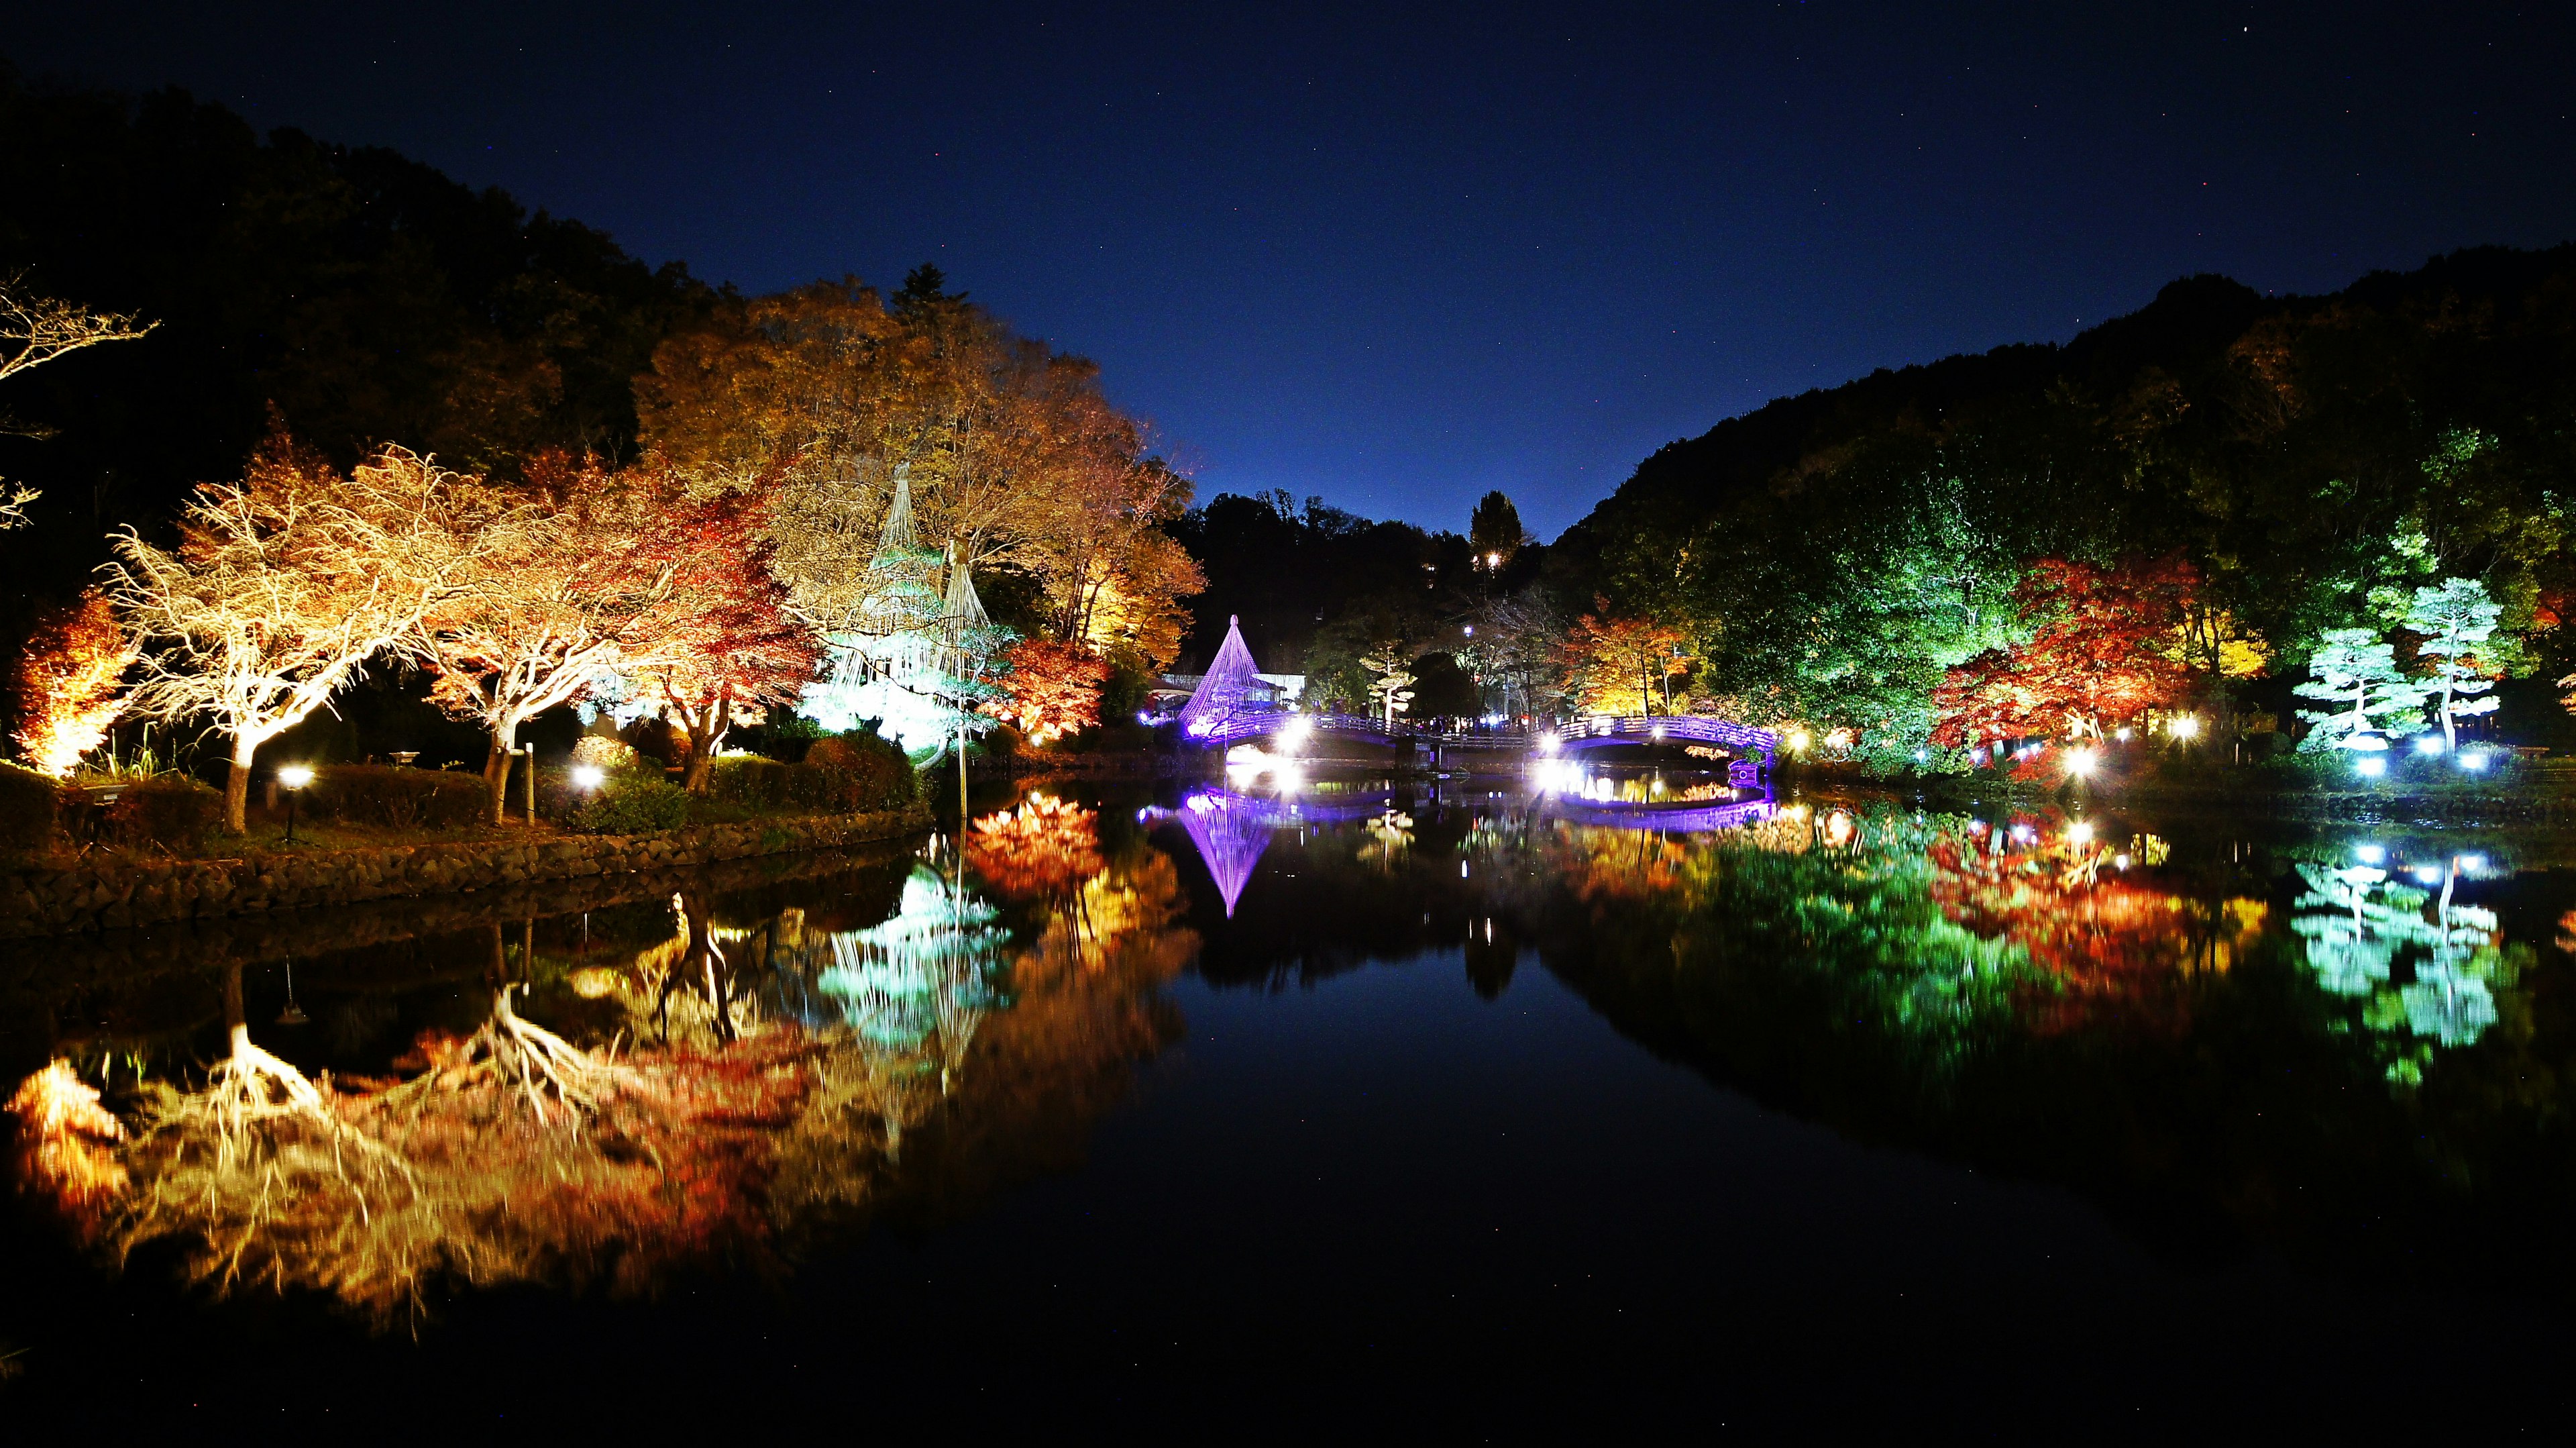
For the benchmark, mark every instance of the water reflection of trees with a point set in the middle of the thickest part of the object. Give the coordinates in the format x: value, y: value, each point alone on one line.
x: 719, y: 1075
x: 2206, y: 1063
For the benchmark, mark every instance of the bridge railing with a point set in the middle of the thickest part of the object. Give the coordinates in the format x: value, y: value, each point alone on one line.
x: 1686, y: 728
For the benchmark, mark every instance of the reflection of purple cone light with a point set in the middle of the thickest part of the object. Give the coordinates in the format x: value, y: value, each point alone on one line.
x: 1230, y: 832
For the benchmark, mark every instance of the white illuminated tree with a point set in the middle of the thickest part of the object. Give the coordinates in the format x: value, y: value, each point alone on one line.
x: 283, y: 586
x: 2457, y: 619
x: 2355, y: 668
x: 34, y: 330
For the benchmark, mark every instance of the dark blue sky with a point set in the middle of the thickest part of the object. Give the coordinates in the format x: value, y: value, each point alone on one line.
x: 1400, y: 255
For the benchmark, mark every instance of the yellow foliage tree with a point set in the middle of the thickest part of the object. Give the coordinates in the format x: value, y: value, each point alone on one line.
x: 68, y: 683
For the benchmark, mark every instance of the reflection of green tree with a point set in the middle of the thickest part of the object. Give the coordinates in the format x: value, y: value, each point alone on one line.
x: 2360, y: 926
x: 931, y: 967
x: 1864, y: 918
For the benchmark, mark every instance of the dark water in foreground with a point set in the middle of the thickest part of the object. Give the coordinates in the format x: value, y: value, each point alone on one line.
x: 1394, y: 1113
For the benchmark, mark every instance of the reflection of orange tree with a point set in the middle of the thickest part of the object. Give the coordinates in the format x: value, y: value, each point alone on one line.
x: 1041, y: 850
x: 712, y: 1144
x: 2107, y: 941
x: 1602, y: 865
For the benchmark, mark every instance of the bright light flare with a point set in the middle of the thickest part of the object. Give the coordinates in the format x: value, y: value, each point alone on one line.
x: 2428, y: 874
x: 2186, y: 727
x: 2429, y: 744
x: 1294, y: 734
x: 2081, y: 763
x: 2472, y: 862
x: 2080, y: 833
x: 1549, y: 742
x: 295, y: 776
x: 2474, y: 761
x: 2370, y: 766
x: 2370, y: 854
x: 588, y: 776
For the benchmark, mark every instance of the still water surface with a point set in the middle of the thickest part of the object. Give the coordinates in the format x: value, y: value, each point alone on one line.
x: 1376, y: 1107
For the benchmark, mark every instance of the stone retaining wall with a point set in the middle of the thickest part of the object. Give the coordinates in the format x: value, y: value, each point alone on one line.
x: 112, y: 892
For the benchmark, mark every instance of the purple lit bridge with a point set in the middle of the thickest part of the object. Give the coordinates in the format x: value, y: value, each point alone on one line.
x: 1233, y: 705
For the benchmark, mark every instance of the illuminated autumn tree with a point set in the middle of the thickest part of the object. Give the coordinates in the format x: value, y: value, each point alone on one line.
x: 1014, y: 456
x: 724, y: 645
x: 1615, y: 665
x: 1051, y: 690
x: 283, y: 586
x: 36, y: 329
x: 67, y: 683
x: 2097, y: 654
x: 580, y: 589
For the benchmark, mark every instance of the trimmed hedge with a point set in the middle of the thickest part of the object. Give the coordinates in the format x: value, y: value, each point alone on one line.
x: 752, y: 780
x: 30, y: 804
x: 171, y: 811
x: 403, y: 798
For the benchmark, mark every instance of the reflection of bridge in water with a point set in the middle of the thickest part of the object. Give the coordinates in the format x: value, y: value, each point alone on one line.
x: 1231, y: 830
x: 1232, y: 705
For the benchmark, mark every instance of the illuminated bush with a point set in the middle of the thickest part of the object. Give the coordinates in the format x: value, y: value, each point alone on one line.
x: 634, y: 805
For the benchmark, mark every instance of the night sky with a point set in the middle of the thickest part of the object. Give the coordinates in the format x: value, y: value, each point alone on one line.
x: 1396, y: 255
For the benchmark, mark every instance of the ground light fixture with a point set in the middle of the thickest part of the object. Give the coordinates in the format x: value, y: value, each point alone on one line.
x: 2370, y: 766
x: 294, y: 777
x: 2474, y: 760
x: 588, y: 776
x: 2429, y: 744
x: 2186, y: 727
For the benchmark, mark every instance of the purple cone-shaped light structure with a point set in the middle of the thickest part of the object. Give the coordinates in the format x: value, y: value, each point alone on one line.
x: 1231, y: 832
x: 1231, y: 690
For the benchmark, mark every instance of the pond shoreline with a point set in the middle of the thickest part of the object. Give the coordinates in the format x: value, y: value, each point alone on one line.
x: 112, y: 893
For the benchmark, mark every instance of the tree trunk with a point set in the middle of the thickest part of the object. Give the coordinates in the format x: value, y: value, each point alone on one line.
x: 496, y: 767
x: 237, y: 787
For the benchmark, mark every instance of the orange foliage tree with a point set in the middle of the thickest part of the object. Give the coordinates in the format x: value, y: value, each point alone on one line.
x: 1052, y: 689
x: 2096, y: 655
x: 67, y: 683
x: 1618, y: 665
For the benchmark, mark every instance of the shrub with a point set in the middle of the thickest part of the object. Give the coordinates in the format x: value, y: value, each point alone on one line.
x: 404, y: 799
x: 750, y: 779
x: 172, y: 812
x: 616, y: 756
x: 634, y: 804
x: 29, y: 804
x: 852, y: 773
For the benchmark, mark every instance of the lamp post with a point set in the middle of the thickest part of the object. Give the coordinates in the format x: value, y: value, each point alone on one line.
x: 294, y: 777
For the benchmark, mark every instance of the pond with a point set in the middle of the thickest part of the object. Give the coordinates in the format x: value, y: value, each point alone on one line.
x: 1366, y: 1106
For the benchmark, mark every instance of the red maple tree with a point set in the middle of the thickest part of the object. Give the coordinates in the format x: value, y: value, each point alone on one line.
x: 725, y: 643
x: 2095, y: 655
x: 1052, y: 689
